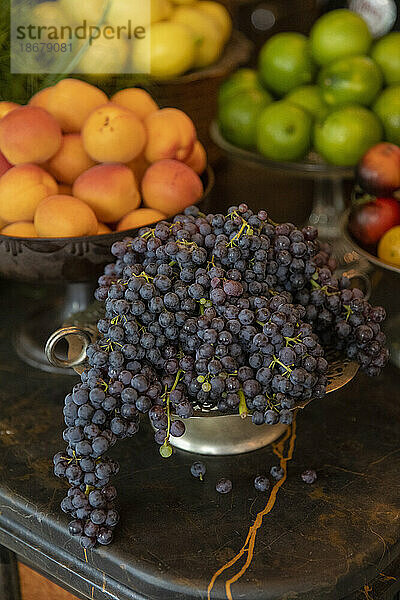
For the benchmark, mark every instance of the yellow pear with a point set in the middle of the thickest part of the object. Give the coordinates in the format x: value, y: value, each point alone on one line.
x: 219, y: 13
x: 208, y: 34
x: 172, y: 51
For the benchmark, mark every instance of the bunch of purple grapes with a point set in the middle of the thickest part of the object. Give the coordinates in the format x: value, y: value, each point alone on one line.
x: 229, y: 312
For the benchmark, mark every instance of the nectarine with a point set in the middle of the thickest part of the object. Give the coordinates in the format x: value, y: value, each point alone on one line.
x: 71, y: 101
x: 170, y: 186
x: 378, y: 172
x: 20, y: 229
x: 71, y: 160
x: 109, y: 189
x: 29, y: 134
x: 113, y: 133
x: 21, y: 190
x: 64, y: 216
x: 137, y: 100
x: 170, y: 134
x: 140, y: 217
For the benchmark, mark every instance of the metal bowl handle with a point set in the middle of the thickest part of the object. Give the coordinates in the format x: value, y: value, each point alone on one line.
x: 355, y: 274
x: 59, y: 335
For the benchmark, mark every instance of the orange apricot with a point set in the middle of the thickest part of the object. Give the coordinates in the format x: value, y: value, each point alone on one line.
x: 64, y: 216
x: 140, y: 217
x: 21, y: 190
x: 137, y: 100
x: 71, y: 160
x: 71, y: 101
x: 109, y: 189
x: 170, y: 134
x: 6, y: 107
x: 170, y: 186
x: 113, y: 133
x: 198, y: 159
x: 29, y: 134
x: 20, y: 229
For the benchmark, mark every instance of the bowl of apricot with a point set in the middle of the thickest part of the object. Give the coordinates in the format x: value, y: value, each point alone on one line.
x: 78, y: 171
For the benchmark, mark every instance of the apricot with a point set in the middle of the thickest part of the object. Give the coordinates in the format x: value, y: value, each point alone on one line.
x: 20, y: 229
x: 41, y: 98
x: 64, y: 216
x: 170, y: 134
x: 4, y: 164
x: 113, y: 133
x: 6, y: 107
x: 109, y: 189
x: 103, y: 228
x: 71, y: 160
x: 21, y: 190
x: 29, y: 134
x: 140, y: 217
x: 138, y: 167
x: 71, y: 101
x: 198, y: 158
x: 170, y: 186
x: 137, y: 100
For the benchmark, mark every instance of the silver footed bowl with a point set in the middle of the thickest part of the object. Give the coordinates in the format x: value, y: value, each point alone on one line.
x: 207, y: 432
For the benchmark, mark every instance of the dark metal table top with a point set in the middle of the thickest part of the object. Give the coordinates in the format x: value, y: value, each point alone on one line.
x: 320, y: 542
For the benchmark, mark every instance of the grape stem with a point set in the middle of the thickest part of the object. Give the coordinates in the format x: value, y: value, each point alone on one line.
x: 243, y: 409
x: 276, y: 361
x: 166, y: 443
